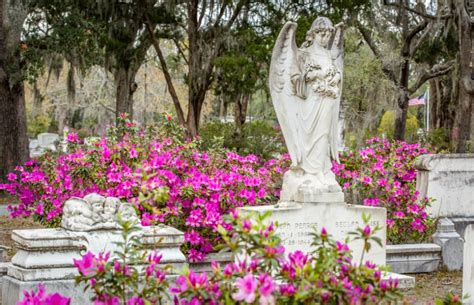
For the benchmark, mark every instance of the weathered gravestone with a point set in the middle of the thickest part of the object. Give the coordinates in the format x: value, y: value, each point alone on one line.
x: 305, y: 84
x: 90, y: 224
x: 35, y: 148
x: 48, y: 140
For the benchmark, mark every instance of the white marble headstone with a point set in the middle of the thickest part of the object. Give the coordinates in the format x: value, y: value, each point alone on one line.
x: 298, y: 221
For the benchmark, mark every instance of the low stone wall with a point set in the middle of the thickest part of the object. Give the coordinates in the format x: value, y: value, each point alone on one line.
x: 413, y: 258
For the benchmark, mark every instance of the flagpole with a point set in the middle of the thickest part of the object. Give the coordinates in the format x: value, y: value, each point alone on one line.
x: 428, y: 109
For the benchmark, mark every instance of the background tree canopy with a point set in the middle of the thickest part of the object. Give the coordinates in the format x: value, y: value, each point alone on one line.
x: 84, y: 62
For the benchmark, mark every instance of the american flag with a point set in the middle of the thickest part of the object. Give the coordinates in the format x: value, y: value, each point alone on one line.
x: 419, y: 100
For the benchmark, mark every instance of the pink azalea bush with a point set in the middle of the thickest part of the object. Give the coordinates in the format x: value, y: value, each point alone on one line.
x: 261, y: 274
x: 168, y: 178
x: 40, y: 297
x: 383, y: 174
x: 174, y: 181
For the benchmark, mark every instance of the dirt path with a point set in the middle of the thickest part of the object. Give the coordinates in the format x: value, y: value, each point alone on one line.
x: 430, y: 286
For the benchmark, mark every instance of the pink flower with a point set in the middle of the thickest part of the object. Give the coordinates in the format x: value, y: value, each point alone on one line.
x: 85, y: 264
x: 298, y: 258
x: 324, y: 232
x: 287, y: 289
x: 11, y: 177
x: 390, y: 222
x: 246, y: 289
x: 41, y: 298
x: 366, y: 231
x: 366, y: 180
x: 107, y: 300
x: 272, y: 251
x: 246, y: 225
x: 267, y: 286
x: 382, y: 182
x: 72, y: 137
x: 372, y: 202
x: 57, y: 299
x: 135, y: 301
x: 399, y: 214
x: 341, y: 247
x: 133, y: 153
x: 193, y: 237
x: 195, y: 255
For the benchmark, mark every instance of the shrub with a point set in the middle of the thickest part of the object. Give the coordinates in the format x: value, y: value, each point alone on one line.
x: 261, y: 274
x: 256, y: 137
x: 37, y: 125
x: 383, y: 174
x: 172, y: 180
x: 387, y: 126
x: 166, y: 176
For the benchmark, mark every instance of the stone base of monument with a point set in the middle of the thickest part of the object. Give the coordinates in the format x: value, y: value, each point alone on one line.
x: 298, y: 220
x: 46, y: 256
x: 12, y: 290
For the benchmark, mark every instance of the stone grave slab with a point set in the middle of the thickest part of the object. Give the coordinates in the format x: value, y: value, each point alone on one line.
x: 90, y: 224
x: 48, y: 140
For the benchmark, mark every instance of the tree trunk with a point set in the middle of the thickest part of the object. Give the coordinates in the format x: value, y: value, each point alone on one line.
x: 13, y: 136
x: 401, y: 116
x: 125, y: 86
x: 62, y: 112
x: 241, y: 104
x: 221, y: 108
x: 37, y: 101
x: 466, y: 77
x: 166, y: 73
x: 402, y: 110
x: 435, y: 103
x: 195, y: 103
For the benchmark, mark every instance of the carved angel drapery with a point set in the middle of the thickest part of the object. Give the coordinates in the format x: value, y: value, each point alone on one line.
x: 305, y: 84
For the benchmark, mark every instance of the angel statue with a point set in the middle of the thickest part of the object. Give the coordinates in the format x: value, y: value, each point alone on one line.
x: 305, y: 85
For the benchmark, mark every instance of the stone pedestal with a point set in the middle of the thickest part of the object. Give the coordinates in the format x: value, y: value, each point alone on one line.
x: 298, y: 220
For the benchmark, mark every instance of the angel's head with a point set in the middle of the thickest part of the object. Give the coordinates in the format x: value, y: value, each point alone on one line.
x: 320, y: 32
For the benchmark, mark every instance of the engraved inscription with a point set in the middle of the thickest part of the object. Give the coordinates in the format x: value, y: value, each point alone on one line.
x: 352, y: 225
x: 297, y: 234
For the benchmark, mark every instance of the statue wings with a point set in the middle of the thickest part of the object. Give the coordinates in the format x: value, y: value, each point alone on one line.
x: 336, y: 47
x: 283, y: 59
